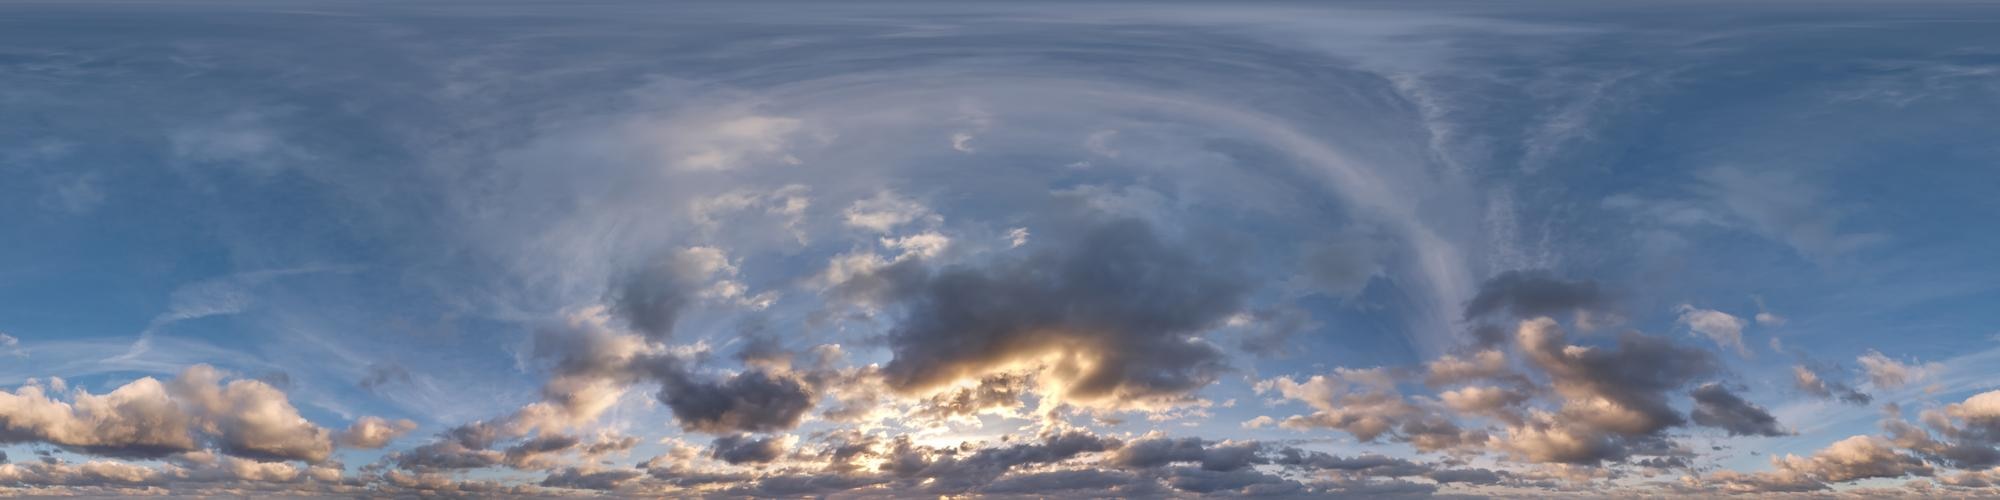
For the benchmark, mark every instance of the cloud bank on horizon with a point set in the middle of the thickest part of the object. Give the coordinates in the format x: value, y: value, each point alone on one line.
x: 1078, y: 250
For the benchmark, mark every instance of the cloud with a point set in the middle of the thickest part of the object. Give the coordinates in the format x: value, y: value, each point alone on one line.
x: 1724, y: 329
x: 1109, y: 318
x: 138, y: 419
x: 1622, y: 389
x: 75, y: 195
x: 1810, y: 382
x: 994, y: 393
x: 370, y: 433
x: 1970, y: 430
x: 1613, y: 401
x: 885, y: 212
x: 1851, y: 459
x: 1365, y: 403
x: 1784, y: 207
x: 1528, y: 294
x: 380, y: 374
x: 654, y: 296
x: 147, y: 418
x: 740, y: 449
x: 1160, y: 452
x: 720, y: 139
x: 753, y: 401
x: 1858, y: 457
x: 1715, y: 406
x: 601, y: 480
x: 1887, y: 373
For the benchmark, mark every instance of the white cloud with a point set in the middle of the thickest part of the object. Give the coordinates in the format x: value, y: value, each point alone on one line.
x: 732, y: 142
x: 1017, y: 237
x: 884, y: 212
x: 1887, y: 373
x: 1724, y: 329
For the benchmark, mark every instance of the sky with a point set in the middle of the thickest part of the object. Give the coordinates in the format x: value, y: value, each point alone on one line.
x: 923, y: 249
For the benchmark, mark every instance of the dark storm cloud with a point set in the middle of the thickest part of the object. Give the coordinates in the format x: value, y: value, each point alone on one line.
x: 741, y: 449
x: 1527, y: 294
x: 1715, y: 406
x: 1121, y: 298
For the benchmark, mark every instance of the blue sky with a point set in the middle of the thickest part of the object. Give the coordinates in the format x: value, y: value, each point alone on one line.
x: 1088, y: 249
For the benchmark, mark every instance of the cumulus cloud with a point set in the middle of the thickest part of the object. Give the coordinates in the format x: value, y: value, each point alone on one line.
x: 1852, y: 459
x: 1620, y: 389
x: 1968, y: 432
x: 1365, y: 403
x: 1610, y: 403
x: 370, y: 433
x: 149, y: 418
x: 1858, y: 457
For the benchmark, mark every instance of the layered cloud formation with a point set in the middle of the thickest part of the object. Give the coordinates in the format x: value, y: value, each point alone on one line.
x: 1087, y: 250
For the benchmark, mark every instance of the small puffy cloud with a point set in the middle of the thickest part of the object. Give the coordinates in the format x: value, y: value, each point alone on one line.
x: 1017, y: 237
x: 1724, y: 329
x: 1809, y: 381
x: 370, y: 433
x: 884, y: 212
x: 1887, y: 373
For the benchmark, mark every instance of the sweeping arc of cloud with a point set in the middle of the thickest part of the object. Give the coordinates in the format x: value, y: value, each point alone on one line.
x: 212, y: 297
x: 984, y: 249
